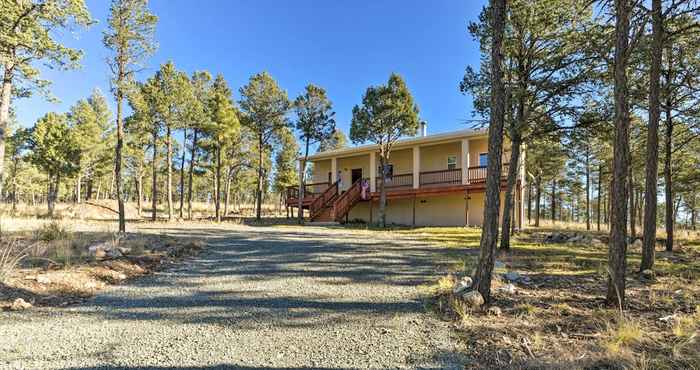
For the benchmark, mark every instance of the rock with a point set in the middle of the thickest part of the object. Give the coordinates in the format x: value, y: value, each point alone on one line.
x: 637, y: 243
x: 462, y: 285
x: 120, y: 276
x: 43, y: 279
x: 556, y: 238
x: 114, y: 253
x: 511, y: 276
x: 508, y: 288
x: 596, y: 242
x: 494, y: 311
x: 97, y: 251
x: 473, y: 298
x: 20, y: 304
x: 648, y: 274
x: 124, y: 250
x: 668, y: 318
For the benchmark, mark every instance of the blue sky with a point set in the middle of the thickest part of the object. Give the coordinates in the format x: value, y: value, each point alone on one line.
x: 340, y: 45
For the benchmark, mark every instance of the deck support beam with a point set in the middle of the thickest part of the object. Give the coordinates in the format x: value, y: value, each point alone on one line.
x: 416, y: 167
x: 373, y: 172
x: 334, y: 170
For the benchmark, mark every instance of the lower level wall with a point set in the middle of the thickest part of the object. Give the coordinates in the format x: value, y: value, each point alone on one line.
x: 443, y: 210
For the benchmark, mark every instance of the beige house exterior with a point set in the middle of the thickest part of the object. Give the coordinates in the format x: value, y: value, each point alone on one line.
x: 434, y: 180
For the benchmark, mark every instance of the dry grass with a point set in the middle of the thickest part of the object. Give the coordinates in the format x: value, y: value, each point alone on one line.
x: 47, y: 262
x: 559, y: 319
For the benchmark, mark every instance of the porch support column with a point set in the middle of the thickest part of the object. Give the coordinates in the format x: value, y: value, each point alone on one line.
x: 334, y: 169
x: 464, y: 158
x: 416, y: 167
x: 372, y: 172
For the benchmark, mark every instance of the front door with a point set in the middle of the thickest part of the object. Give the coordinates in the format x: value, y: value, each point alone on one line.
x: 356, y: 174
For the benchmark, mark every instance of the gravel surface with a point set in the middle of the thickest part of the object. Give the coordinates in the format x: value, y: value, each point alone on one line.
x: 258, y: 297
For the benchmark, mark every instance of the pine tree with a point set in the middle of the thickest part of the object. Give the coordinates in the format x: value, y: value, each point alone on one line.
x: 130, y: 38
x: 264, y: 105
x: 387, y: 113
x: 28, y: 30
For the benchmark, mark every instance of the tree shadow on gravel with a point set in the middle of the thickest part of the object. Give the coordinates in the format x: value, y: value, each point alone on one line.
x: 213, y: 367
x: 243, y: 279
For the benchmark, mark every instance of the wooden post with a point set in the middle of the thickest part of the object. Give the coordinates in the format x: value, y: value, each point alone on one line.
x: 414, y: 209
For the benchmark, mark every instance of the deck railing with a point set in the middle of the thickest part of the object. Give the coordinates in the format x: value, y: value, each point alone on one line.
x: 310, y: 190
x: 447, y: 177
x: 397, y: 181
x: 477, y: 174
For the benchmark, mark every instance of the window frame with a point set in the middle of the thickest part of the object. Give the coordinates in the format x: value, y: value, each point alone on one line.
x: 486, y: 160
x: 454, y: 162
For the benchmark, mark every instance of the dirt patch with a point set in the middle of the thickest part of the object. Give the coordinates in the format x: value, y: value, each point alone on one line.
x: 63, y: 271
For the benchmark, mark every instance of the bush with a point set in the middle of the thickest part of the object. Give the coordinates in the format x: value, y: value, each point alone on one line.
x: 10, y: 256
x: 52, y: 231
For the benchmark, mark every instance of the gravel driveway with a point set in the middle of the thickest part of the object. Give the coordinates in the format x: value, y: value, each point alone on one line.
x: 258, y: 297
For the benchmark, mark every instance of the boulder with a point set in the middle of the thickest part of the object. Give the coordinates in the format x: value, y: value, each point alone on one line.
x: 97, y: 251
x: 114, y: 253
x: 511, y: 276
x: 637, y: 243
x: 462, y: 285
x: 508, y: 288
x: 473, y: 298
x: 596, y: 242
x: 648, y: 274
x: 556, y: 238
x: 494, y: 311
x: 124, y: 250
x: 20, y: 304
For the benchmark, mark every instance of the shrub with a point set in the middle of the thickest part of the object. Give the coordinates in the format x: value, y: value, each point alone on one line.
x: 10, y: 256
x: 52, y: 231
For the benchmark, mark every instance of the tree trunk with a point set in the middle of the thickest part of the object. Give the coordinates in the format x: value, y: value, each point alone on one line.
x: 78, y: 197
x: 169, y: 160
x: 217, y: 186
x: 193, y: 161
x: 259, y: 191
x: 227, y: 190
x: 182, y: 173
x: 588, y: 190
x: 118, y: 156
x: 382, y: 189
x: 617, y: 254
x: 511, y: 182
x: 139, y: 196
x: 538, y: 200
x: 633, y: 230
x: 554, y: 201
x: 300, y: 193
x: 5, y: 97
x: 489, y: 235
x: 668, y: 180
x: 529, y: 203
x: 600, y: 194
x: 154, y: 189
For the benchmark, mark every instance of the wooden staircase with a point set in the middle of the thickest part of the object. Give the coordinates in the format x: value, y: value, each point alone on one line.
x: 334, y: 206
x: 321, y: 207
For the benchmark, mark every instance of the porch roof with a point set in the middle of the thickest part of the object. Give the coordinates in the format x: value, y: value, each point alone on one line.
x: 400, y: 144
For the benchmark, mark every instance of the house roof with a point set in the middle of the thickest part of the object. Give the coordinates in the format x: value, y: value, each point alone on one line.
x: 401, y: 143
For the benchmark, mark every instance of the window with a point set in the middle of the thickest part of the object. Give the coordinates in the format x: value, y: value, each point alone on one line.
x: 451, y: 162
x: 483, y: 159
